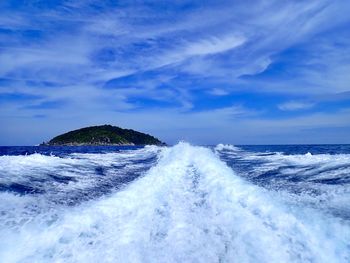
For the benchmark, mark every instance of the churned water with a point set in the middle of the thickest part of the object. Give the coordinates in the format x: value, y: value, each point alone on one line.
x: 175, y: 204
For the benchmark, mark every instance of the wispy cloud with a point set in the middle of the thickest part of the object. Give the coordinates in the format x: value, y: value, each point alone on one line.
x: 295, y: 105
x: 218, y: 92
x: 213, y: 45
x: 103, y: 58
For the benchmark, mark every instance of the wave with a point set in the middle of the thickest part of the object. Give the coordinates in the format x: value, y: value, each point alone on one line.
x: 189, y: 207
x: 321, y: 181
x: 76, y: 177
x: 226, y: 147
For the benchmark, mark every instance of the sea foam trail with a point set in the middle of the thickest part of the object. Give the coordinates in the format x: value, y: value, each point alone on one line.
x: 190, y: 207
x: 315, y: 180
x: 73, y: 178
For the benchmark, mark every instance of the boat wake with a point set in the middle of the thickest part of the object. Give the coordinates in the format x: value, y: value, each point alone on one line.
x: 187, y: 206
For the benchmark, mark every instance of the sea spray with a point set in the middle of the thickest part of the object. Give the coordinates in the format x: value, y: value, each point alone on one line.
x: 189, y: 207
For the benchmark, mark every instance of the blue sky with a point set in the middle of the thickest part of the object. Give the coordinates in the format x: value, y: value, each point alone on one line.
x: 240, y: 72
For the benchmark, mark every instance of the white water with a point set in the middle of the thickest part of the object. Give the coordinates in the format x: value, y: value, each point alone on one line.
x: 190, y: 207
x: 300, y: 173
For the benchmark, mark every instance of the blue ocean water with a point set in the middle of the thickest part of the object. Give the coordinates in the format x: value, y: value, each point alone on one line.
x: 184, y: 203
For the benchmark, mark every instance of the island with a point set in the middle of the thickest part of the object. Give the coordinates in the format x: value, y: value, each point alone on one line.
x: 103, y: 135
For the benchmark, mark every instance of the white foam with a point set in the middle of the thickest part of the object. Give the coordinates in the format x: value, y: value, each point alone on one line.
x: 80, y: 168
x: 312, y: 174
x: 318, y: 166
x: 302, y: 159
x: 226, y: 147
x: 190, y: 207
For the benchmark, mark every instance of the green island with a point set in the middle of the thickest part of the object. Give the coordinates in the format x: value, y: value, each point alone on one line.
x: 103, y: 135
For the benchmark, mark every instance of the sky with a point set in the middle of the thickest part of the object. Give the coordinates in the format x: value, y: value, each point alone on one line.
x: 207, y: 72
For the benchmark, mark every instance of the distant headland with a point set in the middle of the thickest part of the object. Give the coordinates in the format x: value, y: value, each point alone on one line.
x: 103, y: 135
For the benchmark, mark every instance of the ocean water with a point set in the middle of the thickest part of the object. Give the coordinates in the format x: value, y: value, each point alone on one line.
x: 182, y: 203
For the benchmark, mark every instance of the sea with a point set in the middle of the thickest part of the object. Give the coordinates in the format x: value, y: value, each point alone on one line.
x: 180, y: 203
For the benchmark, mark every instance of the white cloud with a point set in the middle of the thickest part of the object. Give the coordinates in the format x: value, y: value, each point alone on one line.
x: 219, y: 92
x: 295, y: 105
x: 213, y: 45
x: 218, y: 44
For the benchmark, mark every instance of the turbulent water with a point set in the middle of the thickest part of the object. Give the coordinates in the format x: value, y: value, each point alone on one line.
x: 175, y: 204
